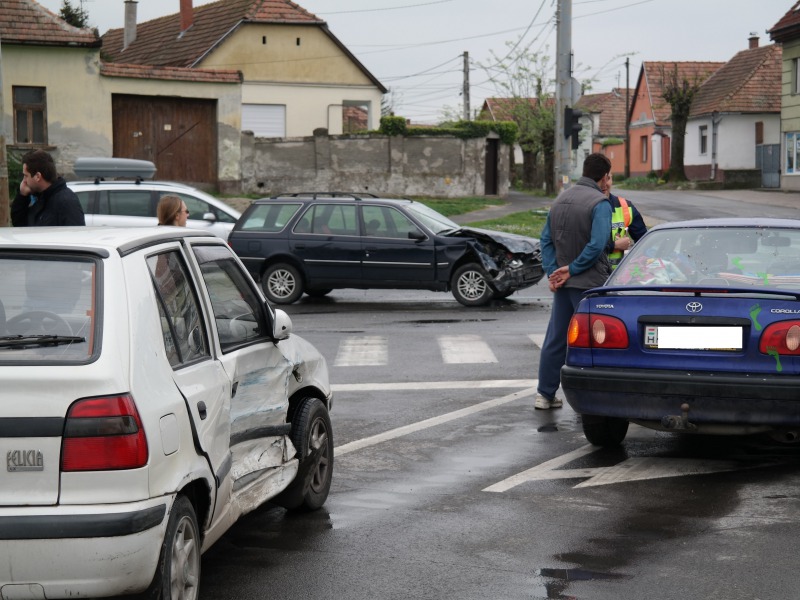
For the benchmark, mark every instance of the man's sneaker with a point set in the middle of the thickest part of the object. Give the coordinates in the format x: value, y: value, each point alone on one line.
x: 543, y: 403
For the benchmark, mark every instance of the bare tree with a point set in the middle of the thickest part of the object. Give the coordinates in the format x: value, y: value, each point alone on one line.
x: 524, y: 79
x: 679, y: 91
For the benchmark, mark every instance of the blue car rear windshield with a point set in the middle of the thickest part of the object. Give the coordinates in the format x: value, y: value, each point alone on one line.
x: 716, y: 256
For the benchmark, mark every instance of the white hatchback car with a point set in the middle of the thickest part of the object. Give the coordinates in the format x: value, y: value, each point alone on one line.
x: 149, y: 397
x: 133, y: 202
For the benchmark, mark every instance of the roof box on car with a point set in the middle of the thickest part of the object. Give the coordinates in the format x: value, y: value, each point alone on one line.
x: 101, y: 168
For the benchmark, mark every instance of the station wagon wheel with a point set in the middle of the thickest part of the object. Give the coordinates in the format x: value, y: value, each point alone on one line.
x: 282, y: 283
x: 470, y: 287
x: 178, y: 572
x: 607, y: 432
x: 312, y: 436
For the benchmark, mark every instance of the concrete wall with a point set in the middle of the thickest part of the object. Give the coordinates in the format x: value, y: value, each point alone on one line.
x: 379, y: 164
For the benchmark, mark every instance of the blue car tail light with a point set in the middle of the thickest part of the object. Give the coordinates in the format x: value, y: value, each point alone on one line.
x: 597, y: 331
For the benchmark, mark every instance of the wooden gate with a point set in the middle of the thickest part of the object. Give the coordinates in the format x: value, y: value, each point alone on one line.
x: 179, y: 135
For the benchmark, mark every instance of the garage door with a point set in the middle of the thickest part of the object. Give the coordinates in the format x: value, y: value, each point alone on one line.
x: 264, y: 120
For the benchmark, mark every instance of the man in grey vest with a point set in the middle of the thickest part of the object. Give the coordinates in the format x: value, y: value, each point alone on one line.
x: 573, y: 245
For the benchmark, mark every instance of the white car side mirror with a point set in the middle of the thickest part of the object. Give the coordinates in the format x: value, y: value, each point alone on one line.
x: 281, y: 325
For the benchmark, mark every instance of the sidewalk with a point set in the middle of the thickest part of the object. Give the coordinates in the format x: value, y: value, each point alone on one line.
x: 515, y: 202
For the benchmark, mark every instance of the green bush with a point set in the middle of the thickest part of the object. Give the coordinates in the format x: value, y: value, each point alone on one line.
x: 393, y: 126
x: 14, y: 162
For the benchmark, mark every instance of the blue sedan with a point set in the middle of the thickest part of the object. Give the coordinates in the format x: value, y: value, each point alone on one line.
x: 697, y: 331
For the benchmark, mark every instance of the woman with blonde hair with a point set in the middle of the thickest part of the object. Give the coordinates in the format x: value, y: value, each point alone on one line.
x: 172, y: 211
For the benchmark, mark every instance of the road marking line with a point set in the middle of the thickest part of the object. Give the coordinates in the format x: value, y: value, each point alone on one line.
x: 432, y: 422
x: 434, y: 385
x: 631, y: 469
x: 546, y: 470
x: 362, y: 351
x: 461, y: 349
x: 537, y: 338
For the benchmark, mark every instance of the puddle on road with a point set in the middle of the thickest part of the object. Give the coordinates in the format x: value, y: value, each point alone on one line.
x: 580, y: 574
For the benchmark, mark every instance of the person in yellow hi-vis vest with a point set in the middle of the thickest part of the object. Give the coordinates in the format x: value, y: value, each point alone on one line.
x: 627, y: 226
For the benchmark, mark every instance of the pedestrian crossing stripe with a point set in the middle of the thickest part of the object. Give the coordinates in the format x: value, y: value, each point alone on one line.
x: 373, y: 350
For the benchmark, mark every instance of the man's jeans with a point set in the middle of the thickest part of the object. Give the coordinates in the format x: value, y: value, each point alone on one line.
x: 554, y: 349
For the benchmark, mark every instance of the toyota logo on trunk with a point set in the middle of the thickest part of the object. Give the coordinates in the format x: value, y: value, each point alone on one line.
x: 694, y: 307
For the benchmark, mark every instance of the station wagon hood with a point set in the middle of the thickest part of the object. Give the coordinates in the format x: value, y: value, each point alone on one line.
x: 512, y: 242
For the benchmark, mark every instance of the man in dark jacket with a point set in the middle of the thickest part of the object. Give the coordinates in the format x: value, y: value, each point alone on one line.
x: 48, y: 200
x: 574, y: 257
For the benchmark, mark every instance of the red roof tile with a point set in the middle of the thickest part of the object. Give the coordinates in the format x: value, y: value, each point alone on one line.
x: 788, y: 27
x: 161, y: 42
x: 170, y: 73
x: 749, y: 83
x: 28, y: 22
x: 611, y: 107
x: 502, y: 109
x: 654, y: 74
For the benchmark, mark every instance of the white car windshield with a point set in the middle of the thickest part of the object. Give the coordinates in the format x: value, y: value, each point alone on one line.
x: 433, y: 220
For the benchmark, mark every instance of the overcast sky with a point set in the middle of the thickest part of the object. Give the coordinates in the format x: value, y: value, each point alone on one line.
x: 415, y: 47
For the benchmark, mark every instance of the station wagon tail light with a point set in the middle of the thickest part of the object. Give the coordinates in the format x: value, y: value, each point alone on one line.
x: 782, y: 337
x: 596, y: 331
x: 103, y: 434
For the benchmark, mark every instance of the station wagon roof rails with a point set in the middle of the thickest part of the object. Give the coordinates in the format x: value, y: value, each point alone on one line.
x: 316, y: 195
x: 100, y: 168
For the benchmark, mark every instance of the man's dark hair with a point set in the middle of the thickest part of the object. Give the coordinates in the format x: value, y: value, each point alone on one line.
x: 39, y: 161
x: 596, y: 166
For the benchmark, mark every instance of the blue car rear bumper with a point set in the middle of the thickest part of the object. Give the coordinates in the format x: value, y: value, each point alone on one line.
x: 651, y: 395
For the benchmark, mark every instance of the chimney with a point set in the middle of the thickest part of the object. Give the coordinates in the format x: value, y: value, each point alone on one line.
x: 187, y: 14
x: 129, y: 33
x: 753, y: 39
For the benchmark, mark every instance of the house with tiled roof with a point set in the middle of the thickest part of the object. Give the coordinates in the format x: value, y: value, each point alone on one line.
x: 296, y: 75
x: 604, y: 118
x: 650, y: 128
x: 509, y: 109
x: 786, y: 32
x: 733, y: 133
x: 59, y: 95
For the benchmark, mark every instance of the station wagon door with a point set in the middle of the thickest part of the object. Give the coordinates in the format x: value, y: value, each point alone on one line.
x: 326, y: 240
x: 258, y: 371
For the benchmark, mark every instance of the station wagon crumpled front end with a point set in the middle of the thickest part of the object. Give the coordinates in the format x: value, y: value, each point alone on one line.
x: 512, y: 261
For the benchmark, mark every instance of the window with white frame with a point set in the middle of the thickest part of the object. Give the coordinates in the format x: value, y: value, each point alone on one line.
x: 30, y: 115
x: 703, y: 139
x: 792, y: 152
x: 796, y: 76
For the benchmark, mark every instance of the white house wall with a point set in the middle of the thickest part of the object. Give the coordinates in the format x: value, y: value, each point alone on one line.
x: 736, y: 140
x: 310, y: 106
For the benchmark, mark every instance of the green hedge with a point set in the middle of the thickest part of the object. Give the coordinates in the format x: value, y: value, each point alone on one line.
x: 507, y: 130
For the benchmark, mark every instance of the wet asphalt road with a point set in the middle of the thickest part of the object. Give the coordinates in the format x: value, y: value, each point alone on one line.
x: 447, y: 484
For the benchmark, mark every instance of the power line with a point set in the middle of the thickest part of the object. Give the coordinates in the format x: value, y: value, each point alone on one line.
x: 364, y: 10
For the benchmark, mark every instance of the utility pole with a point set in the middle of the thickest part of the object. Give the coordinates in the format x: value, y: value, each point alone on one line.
x: 562, y: 147
x: 466, y: 86
x: 4, y: 197
x: 627, y: 118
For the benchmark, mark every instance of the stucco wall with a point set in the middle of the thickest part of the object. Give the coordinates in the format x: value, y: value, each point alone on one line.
x: 79, y: 119
x: 736, y: 140
x: 395, y: 166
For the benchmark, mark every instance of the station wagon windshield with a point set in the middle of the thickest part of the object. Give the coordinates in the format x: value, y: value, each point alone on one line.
x: 434, y: 221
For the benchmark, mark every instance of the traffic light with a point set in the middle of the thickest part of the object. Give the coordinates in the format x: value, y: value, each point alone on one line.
x: 572, y: 125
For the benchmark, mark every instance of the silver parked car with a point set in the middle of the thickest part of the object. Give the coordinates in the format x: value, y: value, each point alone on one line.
x: 149, y: 397
x: 132, y: 202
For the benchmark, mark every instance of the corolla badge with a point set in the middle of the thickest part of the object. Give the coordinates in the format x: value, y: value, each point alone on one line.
x: 694, y: 307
